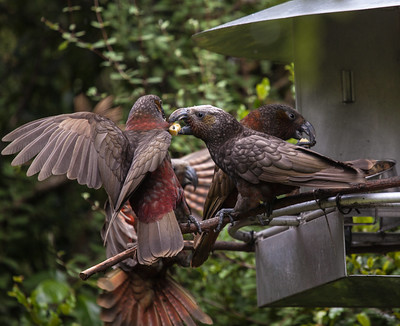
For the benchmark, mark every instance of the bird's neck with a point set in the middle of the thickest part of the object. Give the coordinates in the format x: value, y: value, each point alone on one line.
x: 146, y: 123
x: 253, y: 120
x: 224, y: 137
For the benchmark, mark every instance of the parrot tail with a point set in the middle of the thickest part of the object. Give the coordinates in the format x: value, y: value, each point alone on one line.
x: 162, y: 238
x: 130, y: 299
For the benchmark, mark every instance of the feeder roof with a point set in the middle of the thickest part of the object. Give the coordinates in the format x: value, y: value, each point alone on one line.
x: 268, y: 34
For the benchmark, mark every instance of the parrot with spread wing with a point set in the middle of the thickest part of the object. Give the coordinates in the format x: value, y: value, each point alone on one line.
x: 133, y: 165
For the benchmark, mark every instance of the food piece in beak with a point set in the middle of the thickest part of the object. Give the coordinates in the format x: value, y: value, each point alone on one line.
x: 309, y: 130
x: 174, y: 129
x: 181, y: 114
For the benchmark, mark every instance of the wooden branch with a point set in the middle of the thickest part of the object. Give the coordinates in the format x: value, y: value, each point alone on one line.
x: 188, y: 245
x: 84, y: 275
x: 233, y: 246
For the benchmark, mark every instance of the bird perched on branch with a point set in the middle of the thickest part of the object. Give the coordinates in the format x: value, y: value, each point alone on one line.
x: 131, y: 165
x: 278, y: 120
x: 261, y: 166
x: 139, y: 294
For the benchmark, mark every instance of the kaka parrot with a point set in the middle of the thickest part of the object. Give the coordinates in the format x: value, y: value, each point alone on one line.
x: 278, y: 120
x: 131, y: 165
x: 218, y: 192
x: 261, y: 166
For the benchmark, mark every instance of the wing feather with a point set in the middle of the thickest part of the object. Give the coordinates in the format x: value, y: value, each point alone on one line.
x: 52, y: 159
x: 83, y: 165
x: 33, y: 146
x: 62, y: 164
x: 83, y: 145
x: 41, y: 158
x: 270, y: 159
x: 151, y: 150
x: 23, y: 131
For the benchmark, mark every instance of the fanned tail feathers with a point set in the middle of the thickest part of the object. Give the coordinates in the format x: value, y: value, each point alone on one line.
x: 132, y: 300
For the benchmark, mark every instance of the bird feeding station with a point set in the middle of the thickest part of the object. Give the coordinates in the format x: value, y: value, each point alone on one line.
x: 346, y: 56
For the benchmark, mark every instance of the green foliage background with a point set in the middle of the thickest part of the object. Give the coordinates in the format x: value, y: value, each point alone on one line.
x: 52, y: 51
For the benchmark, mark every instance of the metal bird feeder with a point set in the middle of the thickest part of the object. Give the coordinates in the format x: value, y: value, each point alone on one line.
x: 347, y: 78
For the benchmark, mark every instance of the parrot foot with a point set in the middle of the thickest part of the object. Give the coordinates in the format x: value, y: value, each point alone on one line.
x: 221, y: 214
x: 192, y: 219
x: 268, y: 208
x: 263, y: 222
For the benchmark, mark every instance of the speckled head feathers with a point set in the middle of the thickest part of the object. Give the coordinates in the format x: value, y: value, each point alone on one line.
x: 206, y: 122
x: 147, y: 104
x: 146, y: 109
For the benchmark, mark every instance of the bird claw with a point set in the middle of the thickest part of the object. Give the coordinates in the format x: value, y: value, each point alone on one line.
x: 262, y: 221
x: 268, y: 209
x: 192, y: 219
x: 221, y: 215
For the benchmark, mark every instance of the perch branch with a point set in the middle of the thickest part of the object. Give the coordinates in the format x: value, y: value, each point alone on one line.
x: 188, y: 245
x: 84, y: 275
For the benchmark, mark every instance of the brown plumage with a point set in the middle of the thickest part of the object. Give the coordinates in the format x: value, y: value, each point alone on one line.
x: 204, y: 167
x: 261, y: 166
x: 138, y: 295
x: 133, y: 164
x: 133, y: 298
x: 372, y: 168
x: 275, y: 119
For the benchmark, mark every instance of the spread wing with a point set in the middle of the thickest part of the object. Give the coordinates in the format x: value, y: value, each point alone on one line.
x: 151, y: 150
x: 269, y: 159
x: 84, y: 146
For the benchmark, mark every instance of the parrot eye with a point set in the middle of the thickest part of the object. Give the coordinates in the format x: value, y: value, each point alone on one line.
x: 292, y: 116
x: 200, y: 114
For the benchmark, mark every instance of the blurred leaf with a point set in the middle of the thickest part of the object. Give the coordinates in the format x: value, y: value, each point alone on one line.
x: 71, y: 8
x: 242, y: 112
x: 88, y: 311
x: 263, y: 89
x: 51, y: 291
x: 63, y: 45
x: 363, y: 319
x: 18, y: 279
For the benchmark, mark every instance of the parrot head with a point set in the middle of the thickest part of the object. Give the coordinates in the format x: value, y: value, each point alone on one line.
x: 147, y: 108
x: 206, y: 122
x: 281, y: 121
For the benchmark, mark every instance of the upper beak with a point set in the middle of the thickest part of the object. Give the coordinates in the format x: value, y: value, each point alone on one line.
x: 309, y: 130
x: 191, y: 177
x: 181, y: 114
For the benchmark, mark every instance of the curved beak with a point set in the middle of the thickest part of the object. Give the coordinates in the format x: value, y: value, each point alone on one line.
x: 191, y: 177
x: 309, y: 130
x: 181, y: 114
